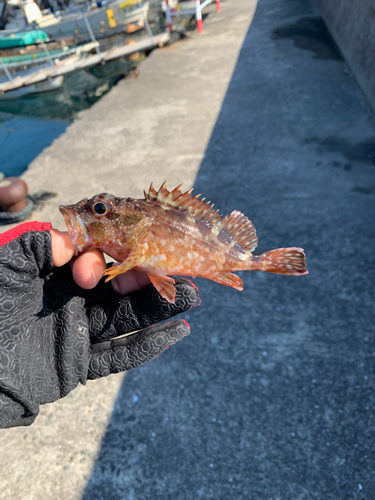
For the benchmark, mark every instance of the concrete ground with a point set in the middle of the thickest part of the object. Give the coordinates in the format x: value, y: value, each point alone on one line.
x: 272, y: 394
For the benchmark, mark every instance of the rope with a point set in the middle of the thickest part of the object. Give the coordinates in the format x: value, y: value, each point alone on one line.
x: 18, y: 216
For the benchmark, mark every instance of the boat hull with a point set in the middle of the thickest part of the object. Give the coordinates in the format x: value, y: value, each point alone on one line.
x: 99, y: 20
x: 49, y: 85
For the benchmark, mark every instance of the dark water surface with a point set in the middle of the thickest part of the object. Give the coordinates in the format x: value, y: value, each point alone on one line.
x: 22, y: 139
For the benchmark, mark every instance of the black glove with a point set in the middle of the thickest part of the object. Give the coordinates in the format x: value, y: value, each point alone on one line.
x: 55, y: 335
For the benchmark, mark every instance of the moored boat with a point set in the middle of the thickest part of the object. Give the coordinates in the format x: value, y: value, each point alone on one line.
x: 32, y: 49
x: 116, y: 13
x: 22, y: 39
x: 16, y: 63
x: 79, y: 79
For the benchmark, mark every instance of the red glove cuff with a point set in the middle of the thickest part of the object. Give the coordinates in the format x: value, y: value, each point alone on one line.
x: 15, y: 232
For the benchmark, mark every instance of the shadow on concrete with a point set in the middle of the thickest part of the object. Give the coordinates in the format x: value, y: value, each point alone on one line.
x: 310, y: 33
x: 272, y: 395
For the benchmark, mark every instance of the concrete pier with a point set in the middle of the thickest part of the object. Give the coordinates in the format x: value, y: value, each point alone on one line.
x: 271, y: 396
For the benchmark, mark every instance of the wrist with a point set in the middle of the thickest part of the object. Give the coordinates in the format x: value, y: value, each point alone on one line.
x: 25, y: 250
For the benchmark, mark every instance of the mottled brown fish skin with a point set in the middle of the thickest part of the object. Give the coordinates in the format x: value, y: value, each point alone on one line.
x: 172, y: 233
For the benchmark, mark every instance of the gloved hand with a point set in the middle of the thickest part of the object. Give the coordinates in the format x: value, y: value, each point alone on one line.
x: 55, y: 335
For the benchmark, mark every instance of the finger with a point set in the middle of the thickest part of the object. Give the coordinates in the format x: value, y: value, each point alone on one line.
x: 62, y: 247
x: 88, y: 268
x: 104, y: 294
x: 139, y: 310
x: 129, y: 352
x: 130, y: 282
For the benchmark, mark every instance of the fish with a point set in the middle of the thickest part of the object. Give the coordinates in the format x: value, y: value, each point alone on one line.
x: 171, y: 233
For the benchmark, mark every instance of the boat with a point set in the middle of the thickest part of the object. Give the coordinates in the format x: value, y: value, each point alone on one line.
x: 22, y: 39
x: 29, y: 61
x: 75, y: 82
x: 23, y: 48
x: 24, y: 59
x: 35, y: 88
x: 32, y: 49
x: 115, y: 13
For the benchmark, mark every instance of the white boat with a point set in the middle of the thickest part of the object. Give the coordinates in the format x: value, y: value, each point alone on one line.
x: 116, y: 13
x: 35, y: 88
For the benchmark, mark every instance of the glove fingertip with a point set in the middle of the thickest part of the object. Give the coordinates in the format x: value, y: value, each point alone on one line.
x: 187, y: 294
x: 179, y: 329
x: 186, y: 280
x: 186, y: 323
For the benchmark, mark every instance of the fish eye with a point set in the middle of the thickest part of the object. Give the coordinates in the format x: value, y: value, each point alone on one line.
x: 101, y: 207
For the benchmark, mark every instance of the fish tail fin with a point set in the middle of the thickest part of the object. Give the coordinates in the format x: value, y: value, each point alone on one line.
x: 289, y: 261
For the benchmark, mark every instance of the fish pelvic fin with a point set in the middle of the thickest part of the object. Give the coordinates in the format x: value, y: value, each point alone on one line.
x: 228, y: 279
x: 290, y: 261
x: 165, y: 286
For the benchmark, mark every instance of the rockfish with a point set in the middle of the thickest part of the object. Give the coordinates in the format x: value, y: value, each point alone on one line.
x: 173, y: 233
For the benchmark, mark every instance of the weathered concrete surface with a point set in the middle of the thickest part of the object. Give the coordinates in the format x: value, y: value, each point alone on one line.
x: 52, y: 459
x: 151, y: 128
x: 352, y: 25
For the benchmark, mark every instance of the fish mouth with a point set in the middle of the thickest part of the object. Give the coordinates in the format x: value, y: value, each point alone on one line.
x: 77, y: 229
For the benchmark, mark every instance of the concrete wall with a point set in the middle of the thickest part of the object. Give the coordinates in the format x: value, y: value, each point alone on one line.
x: 352, y: 25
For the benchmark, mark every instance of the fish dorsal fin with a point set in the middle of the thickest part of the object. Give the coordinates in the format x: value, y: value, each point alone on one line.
x: 184, y: 201
x: 238, y: 227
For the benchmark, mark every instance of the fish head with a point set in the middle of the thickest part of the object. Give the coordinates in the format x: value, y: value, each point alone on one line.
x: 91, y: 222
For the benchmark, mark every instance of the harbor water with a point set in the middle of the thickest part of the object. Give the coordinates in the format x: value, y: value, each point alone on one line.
x: 30, y: 122
x: 23, y: 138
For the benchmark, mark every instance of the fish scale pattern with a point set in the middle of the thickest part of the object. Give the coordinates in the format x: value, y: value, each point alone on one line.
x: 55, y: 335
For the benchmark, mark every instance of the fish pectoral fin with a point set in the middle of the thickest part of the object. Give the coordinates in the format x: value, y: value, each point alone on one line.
x: 130, y: 262
x: 165, y: 286
x: 228, y: 279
